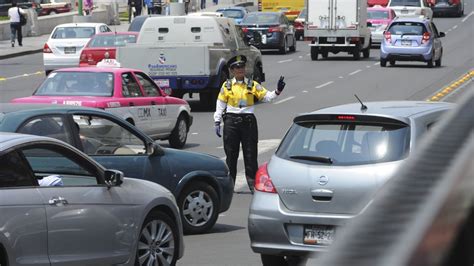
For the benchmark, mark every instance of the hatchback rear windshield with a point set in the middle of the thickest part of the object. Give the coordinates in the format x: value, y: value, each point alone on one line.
x: 73, y: 32
x: 377, y: 14
x: 112, y: 40
x: 345, y: 143
x: 77, y: 84
x: 262, y: 18
x: 416, y: 3
x: 407, y: 28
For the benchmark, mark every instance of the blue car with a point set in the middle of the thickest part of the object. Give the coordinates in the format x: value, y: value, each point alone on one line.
x: 235, y: 12
x: 411, y: 39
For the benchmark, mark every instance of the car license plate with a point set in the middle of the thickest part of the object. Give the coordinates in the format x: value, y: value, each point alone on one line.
x: 404, y: 11
x: 331, y: 39
x: 69, y: 50
x: 163, y: 83
x: 318, y: 235
x: 406, y: 42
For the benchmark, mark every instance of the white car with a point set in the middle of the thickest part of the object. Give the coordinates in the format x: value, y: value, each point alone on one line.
x: 404, y: 8
x: 66, y: 42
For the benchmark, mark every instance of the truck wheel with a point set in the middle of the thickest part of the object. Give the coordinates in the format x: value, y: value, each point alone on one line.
x: 356, y: 53
x: 366, y: 51
x: 179, y: 134
x: 314, y: 53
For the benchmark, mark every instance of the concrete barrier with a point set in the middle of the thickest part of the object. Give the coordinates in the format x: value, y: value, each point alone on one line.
x: 45, y: 24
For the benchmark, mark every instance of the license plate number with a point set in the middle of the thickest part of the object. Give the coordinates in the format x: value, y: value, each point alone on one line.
x: 404, y: 11
x: 318, y: 235
x: 164, y: 83
x: 331, y: 39
x: 69, y: 50
x: 406, y: 42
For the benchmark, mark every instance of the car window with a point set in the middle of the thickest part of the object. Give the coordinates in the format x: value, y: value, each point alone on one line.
x: 148, y: 85
x: 261, y: 18
x: 14, y: 172
x: 48, y: 163
x: 415, y: 3
x: 47, y: 126
x: 112, y: 40
x: 407, y: 28
x: 130, y: 86
x: 231, y: 13
x: 302, y: 14
x: 346, y: 143
x: 377, y: 14
x: 80, y: 83
x: 101, y: 136
x: 73, y: 32
x: 435, y: 30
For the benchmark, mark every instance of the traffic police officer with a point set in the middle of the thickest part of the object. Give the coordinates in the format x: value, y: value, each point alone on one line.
x: 235, y: 107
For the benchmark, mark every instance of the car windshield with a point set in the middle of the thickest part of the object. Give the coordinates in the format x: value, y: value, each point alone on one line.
x: 77, y: 84
x: 230, y: 13
x: 416, y: 3
x: 377, y: 14
x: 302, y: 14
x: 73, y: 32
x: 261, y: 18
x: 112, y: 40
x: 407, y: 28
x: 345, y: 143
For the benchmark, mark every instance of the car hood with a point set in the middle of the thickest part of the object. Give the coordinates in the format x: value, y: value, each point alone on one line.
x: 89, y: 101
x: 327, y: 189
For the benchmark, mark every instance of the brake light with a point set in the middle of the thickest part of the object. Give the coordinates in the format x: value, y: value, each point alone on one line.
x: 388, y: 36
x: 245, y: 30
x: 298, y: 24
x: 274, y: 29
x: 263, y: 182
x: 426, y: 37
x: 346, y: 117
x: 46, y: 49
x: 83, y: 58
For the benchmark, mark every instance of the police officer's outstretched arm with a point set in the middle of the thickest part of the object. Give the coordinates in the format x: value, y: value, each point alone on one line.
x: 266, y: 96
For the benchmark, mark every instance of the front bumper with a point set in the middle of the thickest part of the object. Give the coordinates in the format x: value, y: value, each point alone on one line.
x: 275, y: 230
x: 227, y: 185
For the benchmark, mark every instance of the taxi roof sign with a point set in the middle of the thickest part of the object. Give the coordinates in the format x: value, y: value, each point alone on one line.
x: 108, y: 63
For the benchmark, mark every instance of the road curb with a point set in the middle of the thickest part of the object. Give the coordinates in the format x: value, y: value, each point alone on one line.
x: 7, y: 56
x: 444, y: 92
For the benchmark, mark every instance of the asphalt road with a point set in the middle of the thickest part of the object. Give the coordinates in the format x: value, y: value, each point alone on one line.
x: 310, y: 85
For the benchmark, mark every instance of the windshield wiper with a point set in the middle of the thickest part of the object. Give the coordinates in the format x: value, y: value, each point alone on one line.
x: 320, y: 159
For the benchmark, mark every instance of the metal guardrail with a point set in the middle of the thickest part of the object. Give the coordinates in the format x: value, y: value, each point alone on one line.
x: 424, y: 215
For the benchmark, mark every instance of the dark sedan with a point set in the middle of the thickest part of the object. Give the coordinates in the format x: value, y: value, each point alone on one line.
x: 448, y: 8
x: 275, y: 29
x: 200, y: 182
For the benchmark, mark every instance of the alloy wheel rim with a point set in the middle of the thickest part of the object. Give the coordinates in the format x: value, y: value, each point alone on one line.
x: 182, y: 129
x: 156, y: 244
x: 197, y: 208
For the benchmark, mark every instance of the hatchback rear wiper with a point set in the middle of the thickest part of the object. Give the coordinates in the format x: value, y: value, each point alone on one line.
x: 320, y: 159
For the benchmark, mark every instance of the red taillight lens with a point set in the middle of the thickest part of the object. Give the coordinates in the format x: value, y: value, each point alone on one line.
x: 388, y: 36
x: 263, y: 182
x: 274, y: 29
x: 46, y: 49
x: 426, y: 37
x: 346, y: 117
x: 245, y: 30
x: 298, y: 24
x: 83, y: 58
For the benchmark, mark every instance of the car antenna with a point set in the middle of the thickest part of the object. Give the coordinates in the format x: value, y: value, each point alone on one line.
x: 363, y: 106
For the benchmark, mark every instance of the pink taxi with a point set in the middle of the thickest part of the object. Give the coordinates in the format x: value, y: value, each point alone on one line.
x: 379, y: 17
x: 128, y: 93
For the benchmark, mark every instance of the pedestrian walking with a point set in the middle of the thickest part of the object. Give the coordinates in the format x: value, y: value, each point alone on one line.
x: 149, y: 6
x: 14, y: 13
x: 235, y: 107
x: 215, y: 2
x: 157, y: 7
x: 203, y: 4
x: 88, y: 6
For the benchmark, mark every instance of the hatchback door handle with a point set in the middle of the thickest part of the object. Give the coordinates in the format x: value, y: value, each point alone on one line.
x: 322, y: 194
x: 57, y: 201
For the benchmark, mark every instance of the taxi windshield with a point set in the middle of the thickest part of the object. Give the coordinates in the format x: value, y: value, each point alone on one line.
x: 69, y: 83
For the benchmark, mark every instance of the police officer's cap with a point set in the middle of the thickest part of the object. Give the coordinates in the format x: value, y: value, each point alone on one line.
x: 239, y: 60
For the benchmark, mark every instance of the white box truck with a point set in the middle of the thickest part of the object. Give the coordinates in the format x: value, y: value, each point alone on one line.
x: 337, y: 26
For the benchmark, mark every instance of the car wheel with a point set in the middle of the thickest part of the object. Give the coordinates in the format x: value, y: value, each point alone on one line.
x: 325, y: 54
x: 257, y: 74
x: 272, y: 260
x: 199, y: 206
x: 158, y: 242
x: 179, y: 134
x: 356, y: 53
x: 438, y: 62
x: 430, y: 61
x: 392, y: 62
x: 284, y: 48
x: 383, y: 62
x: 314, y: 53
x: 293, y: 47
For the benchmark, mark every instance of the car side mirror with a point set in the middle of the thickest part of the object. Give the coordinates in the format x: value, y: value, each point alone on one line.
x: 442, y: 34
x: 369, y: 24
x: 113, y: 177
x: 153, y: 148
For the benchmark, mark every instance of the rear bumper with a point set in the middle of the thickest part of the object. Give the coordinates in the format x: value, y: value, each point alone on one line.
x: 422, y: 54
x: 274, y: 41
x: 52, y: 62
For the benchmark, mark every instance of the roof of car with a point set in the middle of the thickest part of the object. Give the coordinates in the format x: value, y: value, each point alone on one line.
x: 97, y: 69
x: 385, y: 108
x: 8, y: 139
x: 6, y: 108
x: 411, y: 19
x: 80, y: 24
x: 117, y: 33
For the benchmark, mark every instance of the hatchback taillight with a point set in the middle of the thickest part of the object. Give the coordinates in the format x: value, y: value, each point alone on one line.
x: 46, y: 49
x: 298, y: 24
x: 245, y: 30
x: 263, y: 182
x: 426, y: 37
x: 388, y: 36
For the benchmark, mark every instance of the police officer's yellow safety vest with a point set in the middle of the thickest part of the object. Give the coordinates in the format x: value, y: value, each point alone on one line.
x: 239, y: 95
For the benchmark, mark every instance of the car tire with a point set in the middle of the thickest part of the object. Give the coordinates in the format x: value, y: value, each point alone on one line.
x: 383, y: 62
x: 179, y: 134
x: 356, y: 53
x: 257, y: 74
x: 273, y: 260
x: 392, y: 62
x: 164, y: 240
x: 325, y: 54
x: 52, y: 12
x: 199, y: 207
x: 284, y: 48
x: 430, y: 63
x: 438, y: 62
x: 314, y: 53
x: 293, y: 47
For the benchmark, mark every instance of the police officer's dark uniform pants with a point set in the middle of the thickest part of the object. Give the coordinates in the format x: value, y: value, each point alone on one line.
x: 241, y: 128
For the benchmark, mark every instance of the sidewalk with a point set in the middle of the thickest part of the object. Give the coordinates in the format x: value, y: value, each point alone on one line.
x: 33, y: 45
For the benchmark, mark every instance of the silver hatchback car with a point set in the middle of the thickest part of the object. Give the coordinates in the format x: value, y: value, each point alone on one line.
x: 59, y: 207
x: 326, y: 171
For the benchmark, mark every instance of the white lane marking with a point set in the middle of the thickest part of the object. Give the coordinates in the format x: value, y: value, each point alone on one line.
x: 449, y: 30
x: 194, y: 133
x: 323, y: 85
x: 355, y: 72
x: 367, y: 66
x: 300, y: 56
x: 455, y: 27
x: 341, y: 77
x: 308, y: 54
x: 304, y: 91
x: 284, y: 61
x: 470, y: 14
x: 376, y: 63
x: 284, y: 100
